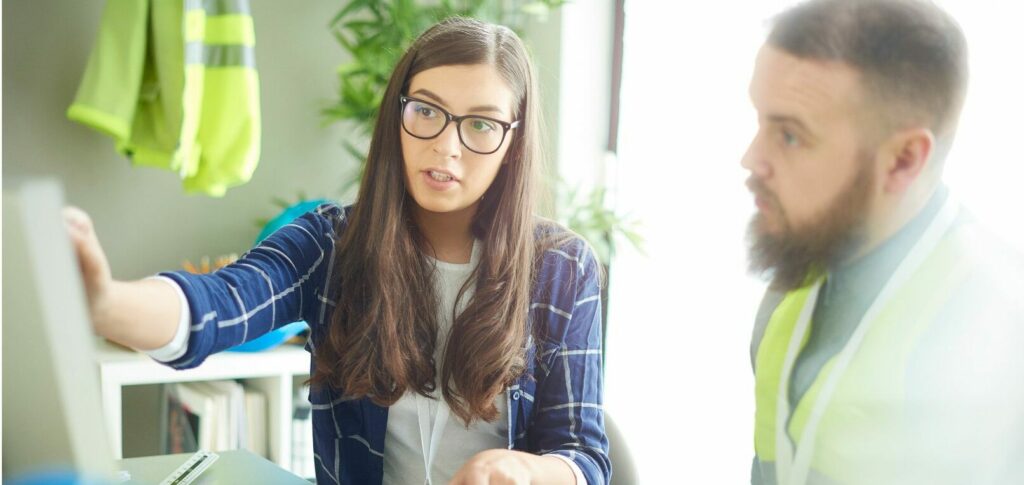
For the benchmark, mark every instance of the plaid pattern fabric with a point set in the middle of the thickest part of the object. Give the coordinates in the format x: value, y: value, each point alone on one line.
x: 554, y: 408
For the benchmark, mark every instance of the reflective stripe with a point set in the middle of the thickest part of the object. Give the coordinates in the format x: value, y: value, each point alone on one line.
x: 219, y: 55
x: 219, y: 7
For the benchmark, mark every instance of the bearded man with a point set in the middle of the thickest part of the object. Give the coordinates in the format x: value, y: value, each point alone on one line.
x: 888, y: 347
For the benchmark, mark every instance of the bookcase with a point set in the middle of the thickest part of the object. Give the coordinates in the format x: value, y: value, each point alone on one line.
x: 276, y: 372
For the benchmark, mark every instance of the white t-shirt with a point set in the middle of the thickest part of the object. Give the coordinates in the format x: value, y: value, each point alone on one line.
x: 403, y: 451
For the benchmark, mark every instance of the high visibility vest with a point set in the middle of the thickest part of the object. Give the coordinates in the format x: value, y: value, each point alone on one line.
x: 850, y: 425
x: 174, y: 83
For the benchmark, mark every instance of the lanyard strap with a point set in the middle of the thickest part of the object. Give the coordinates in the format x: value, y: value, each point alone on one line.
x: 793, y: 465
x: 440, y: 422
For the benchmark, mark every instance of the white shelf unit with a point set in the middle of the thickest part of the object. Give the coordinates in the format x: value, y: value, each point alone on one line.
x: 272, y: 371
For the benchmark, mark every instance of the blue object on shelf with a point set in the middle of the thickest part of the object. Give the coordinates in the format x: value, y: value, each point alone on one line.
x: 288, y: 215
x: 271, y: 339
x: 281, y: 334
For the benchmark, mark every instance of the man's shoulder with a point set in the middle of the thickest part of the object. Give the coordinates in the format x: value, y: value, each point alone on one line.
x: 989, y: 259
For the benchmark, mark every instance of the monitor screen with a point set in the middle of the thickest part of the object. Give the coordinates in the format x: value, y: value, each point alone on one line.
x: 52, y: 416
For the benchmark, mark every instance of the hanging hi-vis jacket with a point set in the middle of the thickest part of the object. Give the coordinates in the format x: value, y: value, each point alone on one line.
x: 929, y: 387
x: 174, y: 83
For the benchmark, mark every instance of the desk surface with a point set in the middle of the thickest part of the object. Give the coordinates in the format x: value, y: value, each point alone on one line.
x: 236, y: 466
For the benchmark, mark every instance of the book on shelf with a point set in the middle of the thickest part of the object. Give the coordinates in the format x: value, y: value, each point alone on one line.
x: 180, y: 425
x: 214, y: 416
x: 195, y: 409
x: 229, y: 416
x: 256, y: 422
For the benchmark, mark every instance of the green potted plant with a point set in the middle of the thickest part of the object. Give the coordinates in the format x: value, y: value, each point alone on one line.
x: 587, y: 214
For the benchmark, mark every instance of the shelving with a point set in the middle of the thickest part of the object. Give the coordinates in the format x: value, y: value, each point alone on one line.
x: 275, y: 372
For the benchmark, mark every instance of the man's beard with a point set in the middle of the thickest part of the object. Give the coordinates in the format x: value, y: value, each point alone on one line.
x: 835, y: 234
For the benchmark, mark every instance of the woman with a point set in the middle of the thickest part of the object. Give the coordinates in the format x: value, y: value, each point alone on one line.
x: 438, y: 294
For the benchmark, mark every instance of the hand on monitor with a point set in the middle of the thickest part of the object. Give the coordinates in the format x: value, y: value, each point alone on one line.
x: 92, y: 261
x: 142, y: 314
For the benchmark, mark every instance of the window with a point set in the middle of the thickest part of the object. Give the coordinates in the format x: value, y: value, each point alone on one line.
x: 679, y: 378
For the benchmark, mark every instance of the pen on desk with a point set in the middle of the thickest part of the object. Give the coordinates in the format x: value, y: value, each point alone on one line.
x: 181, y: 478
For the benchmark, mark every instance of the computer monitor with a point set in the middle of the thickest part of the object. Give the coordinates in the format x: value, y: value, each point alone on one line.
x: 52, y: 413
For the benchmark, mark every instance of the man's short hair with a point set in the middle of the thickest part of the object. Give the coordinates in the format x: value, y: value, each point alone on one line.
x: 912, y: 55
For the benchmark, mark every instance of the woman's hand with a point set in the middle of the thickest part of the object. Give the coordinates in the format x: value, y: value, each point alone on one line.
x: 510, y: 467
x: 140, y: 314
x: 92, y: 262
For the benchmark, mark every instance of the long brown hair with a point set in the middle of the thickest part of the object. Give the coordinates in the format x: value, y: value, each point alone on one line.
x: 383, y: 330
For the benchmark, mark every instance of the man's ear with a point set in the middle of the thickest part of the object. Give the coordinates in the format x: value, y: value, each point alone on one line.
x: 905, y: 156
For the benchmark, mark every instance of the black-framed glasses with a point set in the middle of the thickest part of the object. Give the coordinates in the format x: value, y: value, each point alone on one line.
x: 480, y: 134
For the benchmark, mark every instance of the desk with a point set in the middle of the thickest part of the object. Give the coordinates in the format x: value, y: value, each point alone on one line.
x: 236, y: 466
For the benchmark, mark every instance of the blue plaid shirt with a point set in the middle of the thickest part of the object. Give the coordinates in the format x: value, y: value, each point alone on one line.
x: 554, y: 408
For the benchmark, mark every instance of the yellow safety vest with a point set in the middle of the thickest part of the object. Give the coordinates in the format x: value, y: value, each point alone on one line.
x: 849, y: 427
x: 175, y: 84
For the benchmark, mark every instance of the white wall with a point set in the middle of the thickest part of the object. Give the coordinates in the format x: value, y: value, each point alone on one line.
x: 986, y: 165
